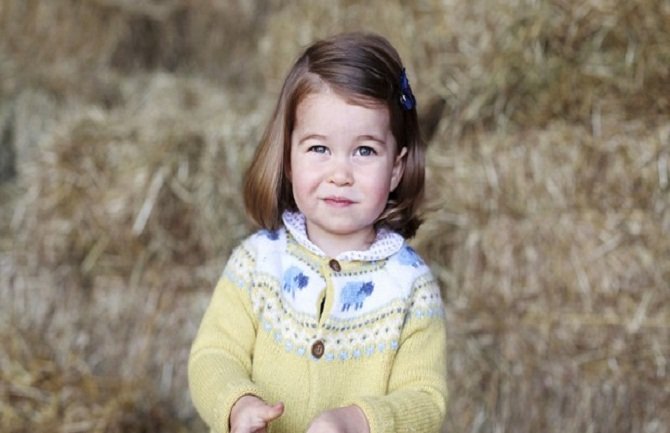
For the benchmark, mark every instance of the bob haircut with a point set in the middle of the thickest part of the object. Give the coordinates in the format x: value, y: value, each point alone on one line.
x: 365, y: 69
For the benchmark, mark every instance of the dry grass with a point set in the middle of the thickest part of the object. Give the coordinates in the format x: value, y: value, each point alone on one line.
x: 548, y: 215
x: 555, y: 259
x: 39, y: 394
x: 139, y: 191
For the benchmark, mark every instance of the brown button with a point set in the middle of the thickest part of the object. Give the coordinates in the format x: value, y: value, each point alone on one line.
x: 335, y: 265
x: 317, y: 349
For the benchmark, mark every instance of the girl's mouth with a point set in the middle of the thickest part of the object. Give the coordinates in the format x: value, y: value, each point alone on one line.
x: 338, y: 201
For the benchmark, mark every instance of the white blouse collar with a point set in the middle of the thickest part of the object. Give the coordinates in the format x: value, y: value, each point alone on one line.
x: 385, y: 244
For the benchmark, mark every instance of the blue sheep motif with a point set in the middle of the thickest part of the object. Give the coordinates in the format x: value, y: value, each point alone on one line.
x: 407, y: 256
x: 294, y: 280
x: 354, y: 293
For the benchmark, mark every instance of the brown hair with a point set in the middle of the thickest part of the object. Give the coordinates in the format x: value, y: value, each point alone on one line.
x: 366, y: 69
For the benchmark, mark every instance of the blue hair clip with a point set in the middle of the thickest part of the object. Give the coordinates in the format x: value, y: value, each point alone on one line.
x: 407, y: 99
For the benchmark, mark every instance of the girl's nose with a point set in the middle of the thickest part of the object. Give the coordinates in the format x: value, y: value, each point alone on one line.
x: 341, y: 173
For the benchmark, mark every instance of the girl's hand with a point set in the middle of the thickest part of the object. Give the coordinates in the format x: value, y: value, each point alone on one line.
x: 349, y: 419
x: 250, y: 414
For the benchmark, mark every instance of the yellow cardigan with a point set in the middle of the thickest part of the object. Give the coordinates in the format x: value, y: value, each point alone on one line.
x: 286, y: 323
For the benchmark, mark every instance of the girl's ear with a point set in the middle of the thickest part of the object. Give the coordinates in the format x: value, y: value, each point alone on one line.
x: 398, y: 168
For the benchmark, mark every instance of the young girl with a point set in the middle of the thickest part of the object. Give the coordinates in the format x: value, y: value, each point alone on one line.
x: 326, y: 320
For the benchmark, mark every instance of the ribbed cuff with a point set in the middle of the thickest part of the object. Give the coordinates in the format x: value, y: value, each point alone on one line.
x: 379, y: 415
x: 407, y: 412
x: 227, y: 399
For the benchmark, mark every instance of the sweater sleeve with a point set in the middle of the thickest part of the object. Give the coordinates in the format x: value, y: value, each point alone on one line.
x: 417, y: 395
x: 219, y: 367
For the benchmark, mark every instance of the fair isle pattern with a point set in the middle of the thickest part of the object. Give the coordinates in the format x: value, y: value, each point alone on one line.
x: 370, y: 301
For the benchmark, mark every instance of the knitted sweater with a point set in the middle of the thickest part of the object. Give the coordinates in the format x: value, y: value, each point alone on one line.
x: 287, y: 323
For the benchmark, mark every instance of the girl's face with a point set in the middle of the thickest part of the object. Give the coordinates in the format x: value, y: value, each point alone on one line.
x: 344, y: 164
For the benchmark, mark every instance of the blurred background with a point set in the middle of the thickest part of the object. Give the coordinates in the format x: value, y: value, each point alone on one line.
x: 125, y: 127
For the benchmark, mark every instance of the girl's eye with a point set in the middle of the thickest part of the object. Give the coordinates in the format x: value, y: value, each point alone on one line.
x: 365, y: 151
x: 317, y: 149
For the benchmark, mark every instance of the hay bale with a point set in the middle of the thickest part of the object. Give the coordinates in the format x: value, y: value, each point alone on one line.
x: 529, y: 62
x: 553, y: 251
x: 39, y: 394
x: 136, y: 191
x: 132, y: 343
x: 69, y: 46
